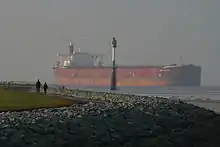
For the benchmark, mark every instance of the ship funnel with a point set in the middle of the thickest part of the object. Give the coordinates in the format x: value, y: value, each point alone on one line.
x: 71, y: 48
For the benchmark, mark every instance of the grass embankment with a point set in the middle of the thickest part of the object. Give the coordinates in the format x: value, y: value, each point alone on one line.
x: 11, y: 100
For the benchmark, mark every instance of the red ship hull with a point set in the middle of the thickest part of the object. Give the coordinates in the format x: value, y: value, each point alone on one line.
x: 130, y: 76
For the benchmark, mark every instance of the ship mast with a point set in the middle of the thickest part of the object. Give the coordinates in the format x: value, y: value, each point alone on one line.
x: 71, y: 48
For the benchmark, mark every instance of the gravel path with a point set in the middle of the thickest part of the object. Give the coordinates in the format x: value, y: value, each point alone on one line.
x: 116, y: 120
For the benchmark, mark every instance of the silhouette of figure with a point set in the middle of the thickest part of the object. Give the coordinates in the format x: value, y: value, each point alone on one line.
x: 38, y: 85
x: 9, y: 84
x: 45, y: 88
x: 63, y: 88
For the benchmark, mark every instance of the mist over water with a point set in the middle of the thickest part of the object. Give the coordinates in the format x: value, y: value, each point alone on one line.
x: 148, y: 32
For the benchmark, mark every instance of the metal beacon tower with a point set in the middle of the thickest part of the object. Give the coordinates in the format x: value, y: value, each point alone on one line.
x: 114, y: 78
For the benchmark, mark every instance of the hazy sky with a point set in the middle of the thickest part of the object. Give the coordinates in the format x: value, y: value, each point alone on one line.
x: 148, y: 32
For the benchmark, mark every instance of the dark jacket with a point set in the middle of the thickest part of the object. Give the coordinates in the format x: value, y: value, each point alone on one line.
x: 45, y: 85
x: 38, y: 84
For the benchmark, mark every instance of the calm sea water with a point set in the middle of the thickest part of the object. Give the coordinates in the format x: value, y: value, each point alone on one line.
x: 203, y: 92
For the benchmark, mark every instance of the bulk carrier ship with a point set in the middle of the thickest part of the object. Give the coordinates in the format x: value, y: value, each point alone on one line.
x: 84, y: 69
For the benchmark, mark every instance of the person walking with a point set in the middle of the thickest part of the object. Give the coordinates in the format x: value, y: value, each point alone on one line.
x: 45, y: 87
x: 38, y: 85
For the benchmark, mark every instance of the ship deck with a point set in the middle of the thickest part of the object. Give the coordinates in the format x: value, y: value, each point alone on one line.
x: 124, y: 66
x: 111, y: 67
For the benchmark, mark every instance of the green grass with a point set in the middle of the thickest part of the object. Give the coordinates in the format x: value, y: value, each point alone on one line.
x: 16, y: 100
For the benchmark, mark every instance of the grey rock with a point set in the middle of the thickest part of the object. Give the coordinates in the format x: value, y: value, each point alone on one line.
x: 113, y: 120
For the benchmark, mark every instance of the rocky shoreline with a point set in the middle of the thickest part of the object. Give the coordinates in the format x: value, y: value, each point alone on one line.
x: 112, y: 120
